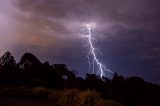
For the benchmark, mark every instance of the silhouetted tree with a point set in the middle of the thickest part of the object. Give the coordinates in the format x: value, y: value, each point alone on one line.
x: 7, y: 60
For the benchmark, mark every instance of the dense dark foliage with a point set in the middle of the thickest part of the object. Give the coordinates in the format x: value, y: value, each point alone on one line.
x: 30, y: 72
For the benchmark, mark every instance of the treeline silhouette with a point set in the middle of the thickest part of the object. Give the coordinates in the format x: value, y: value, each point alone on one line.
x: 30, y: 72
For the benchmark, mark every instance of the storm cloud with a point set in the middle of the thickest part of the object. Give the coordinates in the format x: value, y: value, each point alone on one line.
x: 127, y: 32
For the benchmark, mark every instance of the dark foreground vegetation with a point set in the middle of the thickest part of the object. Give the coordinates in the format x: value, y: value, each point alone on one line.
x: 56, y: 85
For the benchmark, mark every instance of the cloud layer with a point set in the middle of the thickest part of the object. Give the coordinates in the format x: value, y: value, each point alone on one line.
x: 127, y: 32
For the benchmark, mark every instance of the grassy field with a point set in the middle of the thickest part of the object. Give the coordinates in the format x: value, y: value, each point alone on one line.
x: 39, y: 96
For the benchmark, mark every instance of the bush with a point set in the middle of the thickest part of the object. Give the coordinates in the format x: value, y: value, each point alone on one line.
x: 69, y: 97
x: 74, y: 97
x: 40, y: 92
x: 89, y: 98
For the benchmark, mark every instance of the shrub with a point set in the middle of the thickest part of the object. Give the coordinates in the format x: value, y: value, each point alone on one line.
x: 74, y: 97
x: 69, y: 97
x: 88, y: 98
x: 40, y: 92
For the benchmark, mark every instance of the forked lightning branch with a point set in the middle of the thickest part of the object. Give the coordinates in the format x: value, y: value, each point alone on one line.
x: 95, y: 62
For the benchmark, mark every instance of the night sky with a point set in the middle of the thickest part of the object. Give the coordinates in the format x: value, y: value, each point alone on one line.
x: 127, y: 33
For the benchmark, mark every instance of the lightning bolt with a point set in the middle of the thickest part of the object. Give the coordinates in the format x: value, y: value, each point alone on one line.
x: 93, y: 52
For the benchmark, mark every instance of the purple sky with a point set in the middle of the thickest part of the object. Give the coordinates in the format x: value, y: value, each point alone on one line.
x: 127, y: 33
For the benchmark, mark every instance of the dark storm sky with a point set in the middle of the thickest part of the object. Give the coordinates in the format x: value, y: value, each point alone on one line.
x: 127, y: 33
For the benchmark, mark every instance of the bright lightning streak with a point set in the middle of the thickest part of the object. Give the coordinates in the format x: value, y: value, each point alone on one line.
x: 101, y: 67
